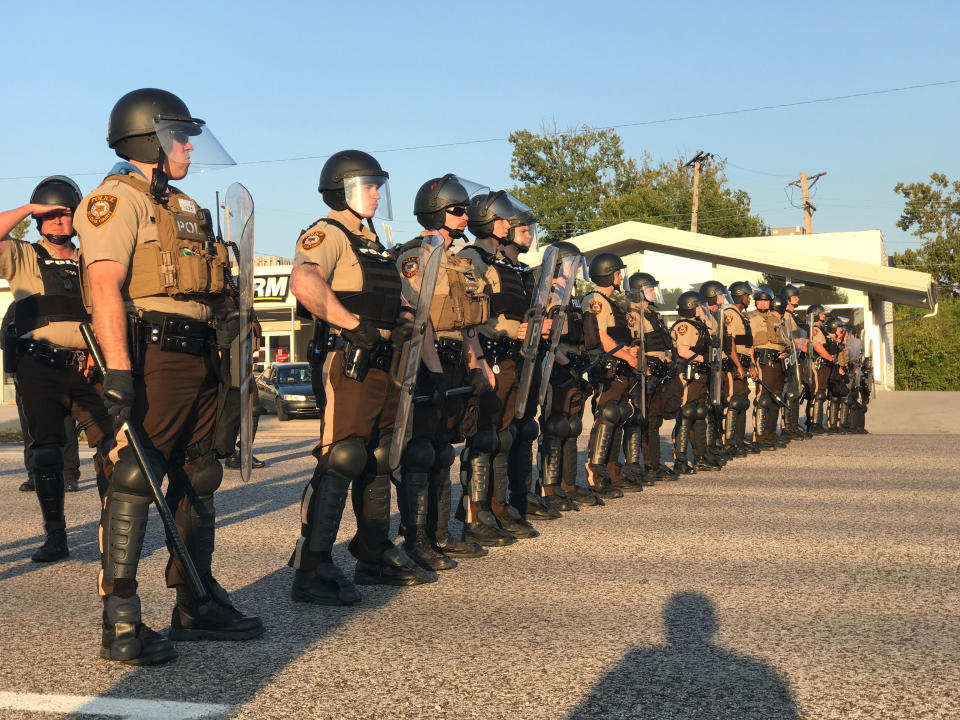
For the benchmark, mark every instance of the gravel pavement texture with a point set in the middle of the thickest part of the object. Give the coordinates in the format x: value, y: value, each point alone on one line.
x: 817, y: 581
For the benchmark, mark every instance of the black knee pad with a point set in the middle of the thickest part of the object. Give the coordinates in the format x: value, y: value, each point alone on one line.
x: 702, y: 411
x: 557, y: 425
x: 380, y: 464
x: 739, y: 403
x: 205, y: 474
x: 526, y: 431
x: 484, y: 441
x: 444, y: 456
x: 505, y: 439
x: 348, y: 457
x: 610, y: 413
x: 821, y: 395
x: 576, y: 426
x: 419, y: 455
x: 626, y: 410
x: 689, y: 411
x: 128, y: 478
x: 48, y: 459
x: 765, y: 401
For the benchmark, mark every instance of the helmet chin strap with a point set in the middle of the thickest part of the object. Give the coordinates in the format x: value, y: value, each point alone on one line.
x: 159, y: 180
x: 59, y: 239
x: 454, y: 234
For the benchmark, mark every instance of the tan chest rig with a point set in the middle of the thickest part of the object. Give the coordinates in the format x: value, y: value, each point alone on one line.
x: 459, y: 301
x: 175, y: 256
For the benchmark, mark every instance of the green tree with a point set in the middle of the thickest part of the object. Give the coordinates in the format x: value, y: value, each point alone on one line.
x: 581, y: 180
x: 925, y: 351
x: 20, y: 231
x: 932, y: 213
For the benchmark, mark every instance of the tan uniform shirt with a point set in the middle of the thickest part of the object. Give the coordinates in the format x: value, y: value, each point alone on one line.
x: 115, y: 218
x: 640, y: 323
x: 686, y: 334
x: 327, y: 247
x: 734, y: 325
x: 766, y: 328
x: 601, y: 307
x: 18, y: 265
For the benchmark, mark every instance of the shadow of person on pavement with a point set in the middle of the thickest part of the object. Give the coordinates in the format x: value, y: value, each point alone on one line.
x: 690, y: 676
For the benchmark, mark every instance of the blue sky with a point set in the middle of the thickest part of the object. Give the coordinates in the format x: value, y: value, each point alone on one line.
x: 288, y: 80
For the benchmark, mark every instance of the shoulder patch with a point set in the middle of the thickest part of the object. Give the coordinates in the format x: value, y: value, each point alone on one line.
x: 631, y: 320
x: 313, y: 240
x: 596, y: 307
x: 682, y: 328
x: 101, y: 208
x: 728, y: 319
x: 410, y: 267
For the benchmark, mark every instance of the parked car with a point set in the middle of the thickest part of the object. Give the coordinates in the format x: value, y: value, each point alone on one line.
x: 286, y: 389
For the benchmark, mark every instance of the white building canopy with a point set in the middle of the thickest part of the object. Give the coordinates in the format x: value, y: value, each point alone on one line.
x: 782, y: 255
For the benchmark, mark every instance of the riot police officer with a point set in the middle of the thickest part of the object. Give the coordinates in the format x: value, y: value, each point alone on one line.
x: 768, y: 350
x: 716, y: 295
x: 46, y: 351
x: 740, y: 366
x: 663, y: 387
x: 837, y: 360
x: 691, y: 338
x: 155, y: 280
x: 794, y: 388
x: 819, y: 359
x: 344, y: 276
x: 451, y: 358
x: 605, y: 328
x: 489, y: 517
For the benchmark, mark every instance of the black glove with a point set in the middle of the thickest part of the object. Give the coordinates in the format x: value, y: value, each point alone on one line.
x: 478, y: 378
x: 118, y: 393
x: 439, y: 385
x: 364, y: 335
x: 401, y: 334
x: 227, y: 327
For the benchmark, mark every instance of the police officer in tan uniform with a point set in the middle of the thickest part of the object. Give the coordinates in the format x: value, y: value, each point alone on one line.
x: 489, y: 516
x: 691, y: 337
x: 663, y: 387
x: 768, y: 351
x: 836, y: 360
x: 794, y: 329
x: 47, y: 351
x: 739, y: 366
x: 451, y: 358
x: 605, y: 327
x: 820, y: 359
x: 347, y: 280
x: 156, y: 278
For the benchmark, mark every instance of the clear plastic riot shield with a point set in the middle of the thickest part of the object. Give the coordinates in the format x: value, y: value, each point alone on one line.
x: 238, y: 212
x: 559, y: 298
x: 535, y: 317
x: 431, y: 256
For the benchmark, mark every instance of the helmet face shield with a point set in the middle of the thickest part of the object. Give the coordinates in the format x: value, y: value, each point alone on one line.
x: 473, y: 189
x: 190, y: 142
x: 648, y: 293
x: 723, y: 298
x: 524, y: 225
x: 369, y: 195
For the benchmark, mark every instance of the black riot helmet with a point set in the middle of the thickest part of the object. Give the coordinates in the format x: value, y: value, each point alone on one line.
x: 642, y: 286
x: 603, y: 266
x: 568, y: 250
x: 688, y: 302
x: 132, y: 132
x: 763, y: 293
x: 816, y: 311
x: 779, y: 304
x: 831, y: 324
x: 739, y: 290
x: 57, y: 190
x: 438, y: 195
x: 487, y: 208
x: 714, y: 292
x: 342, y: 177
x: 790, y: 291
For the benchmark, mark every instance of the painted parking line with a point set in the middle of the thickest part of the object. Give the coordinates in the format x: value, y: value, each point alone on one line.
x: 112, y: 707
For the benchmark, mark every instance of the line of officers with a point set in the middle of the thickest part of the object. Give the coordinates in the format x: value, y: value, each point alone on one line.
x: 156, y: 282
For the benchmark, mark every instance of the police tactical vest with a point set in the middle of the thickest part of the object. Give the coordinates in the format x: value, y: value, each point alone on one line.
x: 619, y: 332
x: 511, y: 301
x: 459, y: 300
x: 378, y: 302
x: 176, y: 256
x: 744, y: 341
x: 60, y: 301
x: 574, y: 328
x: 702, y: 346
x: 658, y: 339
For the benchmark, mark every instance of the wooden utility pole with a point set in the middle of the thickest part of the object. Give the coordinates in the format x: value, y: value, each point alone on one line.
x: 805, y: 183
x: 697, y: 163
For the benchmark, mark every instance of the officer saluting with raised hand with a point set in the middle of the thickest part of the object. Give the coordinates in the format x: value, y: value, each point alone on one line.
x: 47, y: 353
x: 348, y: 281
x: 155, y: 279
x: 451, y: 358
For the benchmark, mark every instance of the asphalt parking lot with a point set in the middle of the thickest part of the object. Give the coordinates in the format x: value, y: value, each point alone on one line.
x: 819, y: 581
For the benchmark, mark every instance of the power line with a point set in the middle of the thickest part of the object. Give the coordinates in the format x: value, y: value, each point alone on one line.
x: 639, y: 123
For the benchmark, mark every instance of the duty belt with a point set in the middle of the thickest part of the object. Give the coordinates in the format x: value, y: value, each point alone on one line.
x: 380, y: 356
x: 500, y: 348
x: 50, y: 354
x: 449, y: 350
x: 697, y: 371
x: 766, y: 356
x: 176, y: 333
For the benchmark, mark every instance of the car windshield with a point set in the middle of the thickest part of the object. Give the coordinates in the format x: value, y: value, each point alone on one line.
x: 293, y: 375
